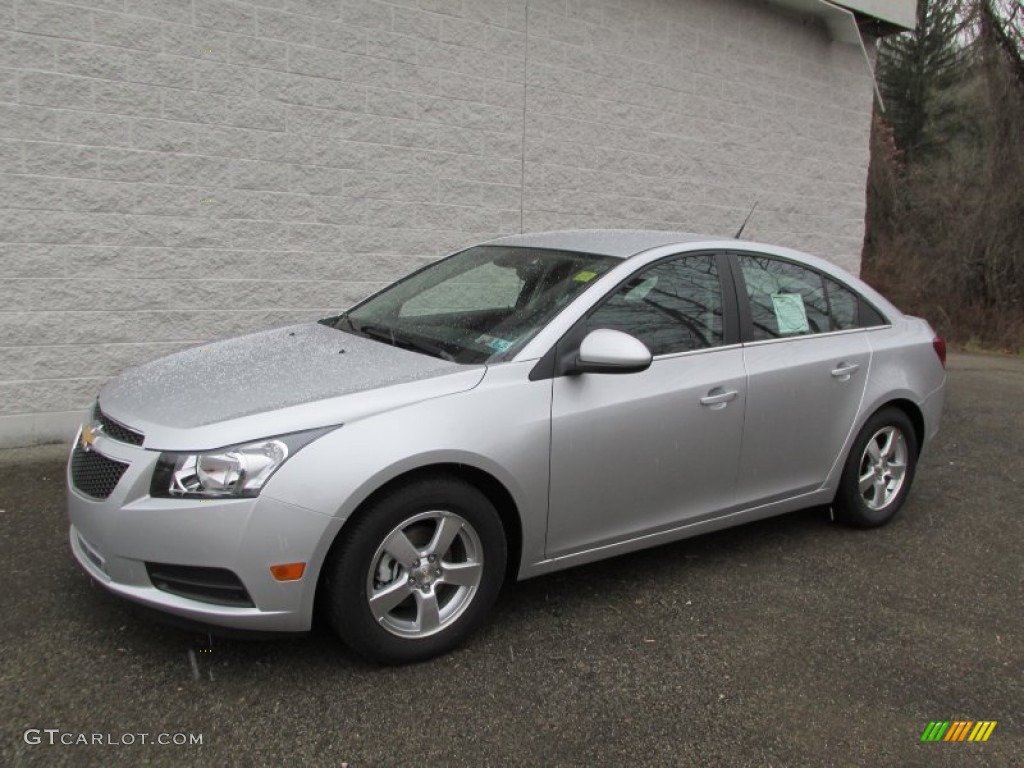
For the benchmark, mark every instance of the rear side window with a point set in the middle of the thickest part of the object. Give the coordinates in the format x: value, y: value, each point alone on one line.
x: 785, y: 299
x: 844, y: 305
x: 788, y: 299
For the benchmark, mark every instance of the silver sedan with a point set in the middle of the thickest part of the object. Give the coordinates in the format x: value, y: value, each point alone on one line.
x: 529, y: 404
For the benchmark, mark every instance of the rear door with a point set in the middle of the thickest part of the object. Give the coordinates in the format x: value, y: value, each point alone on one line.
x: 807, y: 365
x: 643, y: 452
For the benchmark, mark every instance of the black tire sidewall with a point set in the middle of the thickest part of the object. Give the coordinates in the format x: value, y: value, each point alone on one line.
x: 345, y: 603
x: 849, y: 504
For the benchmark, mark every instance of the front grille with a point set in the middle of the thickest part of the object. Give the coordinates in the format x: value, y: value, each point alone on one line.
x: 94, y: 474
x: 209, y: 585
x: 116, y: 431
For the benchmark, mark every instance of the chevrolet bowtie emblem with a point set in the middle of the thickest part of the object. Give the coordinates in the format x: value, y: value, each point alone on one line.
x: 88, y: 437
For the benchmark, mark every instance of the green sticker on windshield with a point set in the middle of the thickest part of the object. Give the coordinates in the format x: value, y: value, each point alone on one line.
x: 584, y: 277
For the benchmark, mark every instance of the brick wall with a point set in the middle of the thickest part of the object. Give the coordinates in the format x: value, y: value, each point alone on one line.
x: 177, y: 170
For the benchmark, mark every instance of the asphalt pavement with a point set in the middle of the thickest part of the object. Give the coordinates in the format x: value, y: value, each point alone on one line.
x: 789, y: 642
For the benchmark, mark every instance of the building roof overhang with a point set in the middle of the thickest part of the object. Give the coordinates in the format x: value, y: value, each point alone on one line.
x: 845, y: 18
x: 901, y: 14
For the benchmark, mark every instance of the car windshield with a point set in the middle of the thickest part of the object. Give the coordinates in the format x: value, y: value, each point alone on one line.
x: 479, y: 305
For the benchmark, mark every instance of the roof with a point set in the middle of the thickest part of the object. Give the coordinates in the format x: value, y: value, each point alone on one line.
x: 621, y: 243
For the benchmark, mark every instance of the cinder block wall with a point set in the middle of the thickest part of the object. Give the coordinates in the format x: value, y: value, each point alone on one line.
x: 177, y: 170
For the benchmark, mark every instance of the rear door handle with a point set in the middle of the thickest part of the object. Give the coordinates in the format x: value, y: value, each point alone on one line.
x: 845, y: 370
x: 717, y: 398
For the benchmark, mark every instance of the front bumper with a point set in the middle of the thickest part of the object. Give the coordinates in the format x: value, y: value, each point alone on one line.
x: 114, y: 538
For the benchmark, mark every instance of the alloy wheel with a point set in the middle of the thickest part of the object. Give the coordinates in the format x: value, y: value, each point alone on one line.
x: 424, y: 574
x: 883, y: 468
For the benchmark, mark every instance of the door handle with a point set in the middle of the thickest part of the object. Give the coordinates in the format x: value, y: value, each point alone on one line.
x: 718, y: 399
x: 845, y: 370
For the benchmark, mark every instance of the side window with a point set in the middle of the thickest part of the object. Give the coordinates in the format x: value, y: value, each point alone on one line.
x: 844, y: 304
x: 785, y: 299
x: 674, y: 306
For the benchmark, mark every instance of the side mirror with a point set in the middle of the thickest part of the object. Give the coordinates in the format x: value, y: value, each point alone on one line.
x: 608, y: 351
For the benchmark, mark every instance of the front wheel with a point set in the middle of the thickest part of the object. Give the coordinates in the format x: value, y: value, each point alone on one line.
x: 879, y: 470
x: 417, y: 572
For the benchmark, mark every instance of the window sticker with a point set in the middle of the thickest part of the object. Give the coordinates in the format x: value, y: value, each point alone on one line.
x: 584, y: 277
x: 499, y: 345
x: 790, y: 313
x: 493, y: 342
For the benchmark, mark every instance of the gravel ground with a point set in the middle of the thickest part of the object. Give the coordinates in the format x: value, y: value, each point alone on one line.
x: 789, y: 642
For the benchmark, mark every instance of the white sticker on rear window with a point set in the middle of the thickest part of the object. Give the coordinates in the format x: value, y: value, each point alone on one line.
x: 790, y: 313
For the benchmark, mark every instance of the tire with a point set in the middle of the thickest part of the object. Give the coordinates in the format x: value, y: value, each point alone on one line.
x: 417, y: 571
x: 879, y: 470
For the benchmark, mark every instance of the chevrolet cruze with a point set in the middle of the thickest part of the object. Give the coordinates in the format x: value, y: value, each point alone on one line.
x: 522, y: 406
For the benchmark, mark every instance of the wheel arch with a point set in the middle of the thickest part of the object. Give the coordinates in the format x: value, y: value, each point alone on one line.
x: 481, y: 480
x: 848, y: 503
x: 908, y: 407
x: 912, y: 412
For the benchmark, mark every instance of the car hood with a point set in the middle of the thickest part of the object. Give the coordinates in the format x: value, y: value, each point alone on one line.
x: 273, y: 382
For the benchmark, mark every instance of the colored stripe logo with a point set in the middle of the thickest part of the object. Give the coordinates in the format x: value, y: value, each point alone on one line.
x: 958, y: 730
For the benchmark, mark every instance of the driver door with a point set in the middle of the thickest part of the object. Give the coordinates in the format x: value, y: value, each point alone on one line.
x: 634, y: 454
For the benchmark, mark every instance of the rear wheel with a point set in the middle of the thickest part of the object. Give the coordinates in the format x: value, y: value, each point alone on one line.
x: 417, y: 572
x: 879, y: 470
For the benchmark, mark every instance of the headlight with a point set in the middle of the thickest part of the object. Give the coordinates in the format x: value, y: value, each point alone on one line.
x: 232, y: 472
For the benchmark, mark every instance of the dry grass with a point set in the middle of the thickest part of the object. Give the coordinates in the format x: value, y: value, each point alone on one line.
x: 919, y: 288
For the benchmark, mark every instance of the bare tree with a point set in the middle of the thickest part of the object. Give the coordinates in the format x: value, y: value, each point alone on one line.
x: 946, y: 186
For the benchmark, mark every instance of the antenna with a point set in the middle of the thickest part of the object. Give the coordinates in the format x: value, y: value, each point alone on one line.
x: 744, y: 224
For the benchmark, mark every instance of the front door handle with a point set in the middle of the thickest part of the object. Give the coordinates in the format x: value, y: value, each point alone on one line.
x: 718, y: 398
x: 843, y: 371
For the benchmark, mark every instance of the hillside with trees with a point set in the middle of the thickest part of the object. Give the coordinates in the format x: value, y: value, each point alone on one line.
x: 945, y: 222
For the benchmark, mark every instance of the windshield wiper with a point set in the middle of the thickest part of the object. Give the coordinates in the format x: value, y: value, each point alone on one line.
x: 400, y: 340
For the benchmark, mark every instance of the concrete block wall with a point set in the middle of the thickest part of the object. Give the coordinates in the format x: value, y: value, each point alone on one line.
x: 178, y: 170
x: 674, y: 114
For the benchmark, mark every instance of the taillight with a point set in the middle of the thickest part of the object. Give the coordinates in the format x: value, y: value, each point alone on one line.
x: 939, y: 344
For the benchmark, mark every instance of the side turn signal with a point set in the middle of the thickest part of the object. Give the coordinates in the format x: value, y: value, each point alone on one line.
x: 288, y: 571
